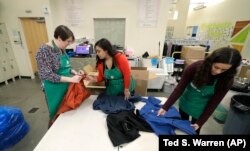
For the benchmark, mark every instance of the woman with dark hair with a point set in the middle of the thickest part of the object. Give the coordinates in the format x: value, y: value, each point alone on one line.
x: 203, y: 85
x: 54, y: 68
x: 113, y: 67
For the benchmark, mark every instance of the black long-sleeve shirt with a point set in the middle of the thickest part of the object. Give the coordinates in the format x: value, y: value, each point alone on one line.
x: 187, y: 77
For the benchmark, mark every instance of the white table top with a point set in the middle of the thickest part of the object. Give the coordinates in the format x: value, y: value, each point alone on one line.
x: 85, y: 129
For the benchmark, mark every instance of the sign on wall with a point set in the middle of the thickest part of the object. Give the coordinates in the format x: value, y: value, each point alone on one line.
x: 169, y: 32
x: 240, y: 34
x: 148, y: 13
x: 74, y: 13
x: 218, y: 33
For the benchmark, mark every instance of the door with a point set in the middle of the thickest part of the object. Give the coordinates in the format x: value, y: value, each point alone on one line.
x: 35, y: 33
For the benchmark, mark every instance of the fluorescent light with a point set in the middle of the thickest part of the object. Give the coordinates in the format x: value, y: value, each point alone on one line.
x: 175, y: 15
x: 199, y: 7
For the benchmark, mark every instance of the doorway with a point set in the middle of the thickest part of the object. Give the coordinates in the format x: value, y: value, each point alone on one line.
x: 35, y: 33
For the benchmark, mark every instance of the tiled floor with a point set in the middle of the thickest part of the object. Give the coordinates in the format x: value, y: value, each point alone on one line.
x: 26, y: 94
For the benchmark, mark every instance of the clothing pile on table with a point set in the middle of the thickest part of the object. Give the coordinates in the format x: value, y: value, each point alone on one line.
x: 124, y: 122
x: 167, y: 123
x: 112, y: 104
x: 124, y: 127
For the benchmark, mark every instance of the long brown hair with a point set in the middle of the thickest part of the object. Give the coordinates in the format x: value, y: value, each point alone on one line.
x: 222, y: 55
x: 106, y: 46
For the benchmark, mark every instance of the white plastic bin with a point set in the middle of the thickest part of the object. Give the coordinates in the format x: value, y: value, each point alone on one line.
x: 167, y: 64
x: 156, y: 83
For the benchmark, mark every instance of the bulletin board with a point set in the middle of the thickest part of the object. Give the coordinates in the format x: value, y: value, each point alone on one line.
x: 112, y: 29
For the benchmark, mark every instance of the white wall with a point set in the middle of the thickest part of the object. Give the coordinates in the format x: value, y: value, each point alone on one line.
x: 182, y: 7
x: 140, y: 39
x: 10, y: 11
x: 226, y: 11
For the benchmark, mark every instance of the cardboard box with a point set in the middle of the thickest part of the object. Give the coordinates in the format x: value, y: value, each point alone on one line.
x: 192, y: 52
x: 141, y: 76
x: 245, y: 71
x: 88, y: 69
x: 94, y: 85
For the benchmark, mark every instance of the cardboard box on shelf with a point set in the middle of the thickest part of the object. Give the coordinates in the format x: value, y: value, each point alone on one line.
x: 245, y: 71
x: 192, y: 52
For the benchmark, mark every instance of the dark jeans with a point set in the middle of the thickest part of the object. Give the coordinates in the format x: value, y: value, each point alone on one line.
x: 185, y: 116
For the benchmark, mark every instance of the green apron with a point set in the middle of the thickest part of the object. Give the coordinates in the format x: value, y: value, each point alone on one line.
x: 55, y: 91
x: 194, y: 101
x: 114, y: 81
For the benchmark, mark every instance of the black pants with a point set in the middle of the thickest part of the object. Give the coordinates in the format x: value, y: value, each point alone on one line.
x: 185, y: 116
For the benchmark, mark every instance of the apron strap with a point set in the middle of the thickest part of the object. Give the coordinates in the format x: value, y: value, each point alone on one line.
x: 56, y: 49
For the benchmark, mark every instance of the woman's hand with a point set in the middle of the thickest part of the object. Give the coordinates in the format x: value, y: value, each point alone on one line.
x: 126, y: 94
x: 80, y: 72
x: 91, y: 78
x: 72, y: 71
x: 76, y: 79
x: 161, y: 112
x: 195, y: 126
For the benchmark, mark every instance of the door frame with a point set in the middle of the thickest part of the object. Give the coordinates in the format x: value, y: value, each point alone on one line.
x: 25, y: 44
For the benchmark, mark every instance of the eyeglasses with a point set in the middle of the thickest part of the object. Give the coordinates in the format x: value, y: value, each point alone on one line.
x: 70, y: 42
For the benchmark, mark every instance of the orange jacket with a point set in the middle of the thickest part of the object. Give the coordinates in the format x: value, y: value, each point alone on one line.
x: 76, y: 94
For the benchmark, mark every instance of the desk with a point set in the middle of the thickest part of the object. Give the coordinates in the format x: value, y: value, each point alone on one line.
x: 85, y: 129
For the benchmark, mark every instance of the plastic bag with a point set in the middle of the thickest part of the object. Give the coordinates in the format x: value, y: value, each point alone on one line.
x: 241, y: 103
x: 13, y: 127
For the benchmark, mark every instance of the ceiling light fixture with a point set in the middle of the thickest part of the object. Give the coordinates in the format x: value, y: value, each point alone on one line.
x: 199, y: 7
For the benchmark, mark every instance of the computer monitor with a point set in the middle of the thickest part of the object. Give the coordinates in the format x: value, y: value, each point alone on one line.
x: 83, y: 50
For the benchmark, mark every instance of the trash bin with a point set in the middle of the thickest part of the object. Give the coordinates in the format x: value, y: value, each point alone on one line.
x: 238, y: 118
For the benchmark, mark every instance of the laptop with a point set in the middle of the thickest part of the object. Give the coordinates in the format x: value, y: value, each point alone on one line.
x: 83, y: 50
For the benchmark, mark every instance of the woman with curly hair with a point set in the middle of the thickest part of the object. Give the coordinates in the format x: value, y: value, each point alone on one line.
x: 203, y: 85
